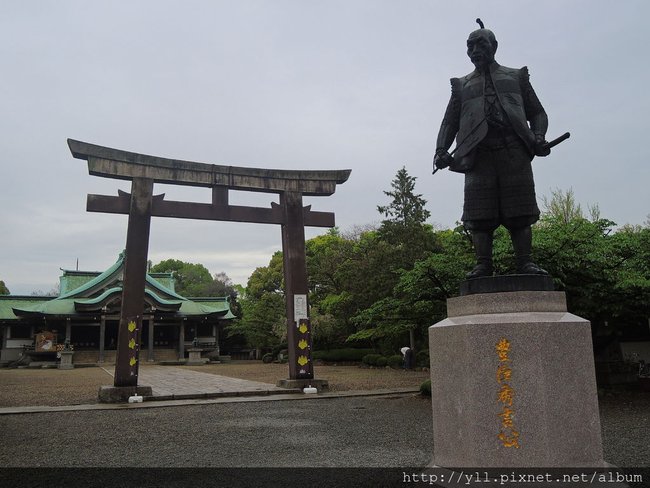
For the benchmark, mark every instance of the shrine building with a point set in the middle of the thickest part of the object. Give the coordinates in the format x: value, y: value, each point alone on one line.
x: 86, y: 314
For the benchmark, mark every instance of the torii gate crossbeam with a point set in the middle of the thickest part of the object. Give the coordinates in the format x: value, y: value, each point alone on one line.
x: 144, y: 171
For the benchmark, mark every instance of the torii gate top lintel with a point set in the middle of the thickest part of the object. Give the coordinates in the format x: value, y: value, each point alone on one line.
x: 115, y: 163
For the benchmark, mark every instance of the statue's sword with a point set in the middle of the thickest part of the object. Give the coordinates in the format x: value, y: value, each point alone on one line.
x: 556, y: 141
x: 548, y: 145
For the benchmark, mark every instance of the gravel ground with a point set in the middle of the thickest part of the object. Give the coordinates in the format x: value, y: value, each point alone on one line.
x: 625, y: 425
x: 365, y: 431
x: 361, y: 431
x: 345, y: 432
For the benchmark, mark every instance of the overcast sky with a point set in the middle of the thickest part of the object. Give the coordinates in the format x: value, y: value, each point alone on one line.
x: 295, y: 84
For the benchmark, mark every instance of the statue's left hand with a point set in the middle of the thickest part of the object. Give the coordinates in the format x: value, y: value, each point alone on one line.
x: 541, y: 146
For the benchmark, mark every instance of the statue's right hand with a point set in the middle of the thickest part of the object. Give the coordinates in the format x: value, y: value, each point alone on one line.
x: 442, y: 159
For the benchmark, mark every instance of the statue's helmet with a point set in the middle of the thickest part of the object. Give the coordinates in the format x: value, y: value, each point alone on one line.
x: 486, y: 33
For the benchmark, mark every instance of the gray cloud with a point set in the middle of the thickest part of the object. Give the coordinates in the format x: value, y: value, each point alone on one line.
x: 291, y: 84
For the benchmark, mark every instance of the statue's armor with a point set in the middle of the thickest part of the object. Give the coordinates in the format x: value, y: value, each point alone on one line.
x: 489, y: 118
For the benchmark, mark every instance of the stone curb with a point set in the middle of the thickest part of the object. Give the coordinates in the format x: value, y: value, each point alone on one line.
x: 202, y: 400
x: 218, y: 394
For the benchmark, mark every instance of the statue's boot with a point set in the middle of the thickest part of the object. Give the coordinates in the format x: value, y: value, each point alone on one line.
x: 483, y: 248
x: 522, y: 242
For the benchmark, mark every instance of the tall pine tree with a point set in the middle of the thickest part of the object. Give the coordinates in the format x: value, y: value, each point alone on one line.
x: 404, y: 225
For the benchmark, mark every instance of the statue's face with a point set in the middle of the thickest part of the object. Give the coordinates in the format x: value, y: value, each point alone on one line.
x: 479, y: 49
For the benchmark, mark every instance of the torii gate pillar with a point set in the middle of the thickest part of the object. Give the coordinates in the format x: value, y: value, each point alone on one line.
x: 129, y: 334
x: 296, y: 288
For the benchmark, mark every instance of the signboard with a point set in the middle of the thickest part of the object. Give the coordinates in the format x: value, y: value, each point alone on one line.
x: 45, y: 342
x: 299, y: 308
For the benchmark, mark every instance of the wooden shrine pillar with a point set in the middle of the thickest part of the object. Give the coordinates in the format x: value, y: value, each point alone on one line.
x: 150, y: 356
x: 181, y: 340
x: 102, y: 337
x: 135, y: 273
x: 296, y: 287
x: 68, y: 330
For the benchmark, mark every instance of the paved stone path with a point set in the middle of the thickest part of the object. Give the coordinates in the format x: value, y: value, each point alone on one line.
x: 177, y: 382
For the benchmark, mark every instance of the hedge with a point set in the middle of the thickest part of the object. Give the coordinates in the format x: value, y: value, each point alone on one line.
x: 425, y: 388
x: 342, y: 355
x: 381, y: 362
x: 422, y: 358
x: 371, y: 359
x: 396, y: 361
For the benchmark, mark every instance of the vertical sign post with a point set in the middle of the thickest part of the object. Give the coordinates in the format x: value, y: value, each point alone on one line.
x: 296, y: 287
x: 135, y: 273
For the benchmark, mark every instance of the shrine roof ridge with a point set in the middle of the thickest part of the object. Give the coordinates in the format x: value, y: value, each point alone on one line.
x: 115, y: 163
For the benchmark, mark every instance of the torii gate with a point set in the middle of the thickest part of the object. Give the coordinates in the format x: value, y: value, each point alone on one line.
x: 141, y: 204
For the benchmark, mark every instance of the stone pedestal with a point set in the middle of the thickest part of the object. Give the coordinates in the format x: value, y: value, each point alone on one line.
x: 66, y: 360
x: 121, y: 394
x: 194, y: 357
x: 319, y: 384
x: 513, y: 383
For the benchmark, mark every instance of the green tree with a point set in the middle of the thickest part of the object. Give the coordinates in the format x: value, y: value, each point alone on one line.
x: 605, y: 272
x: 406, y: 210
x: 402, y: 239
x: 404, y: 225
x: 419, y: 297
x: 631, y: 275
x: 331, y: 303
x: 191, y: 280
x: 3, y: 289
x: 561, y: 206
x: 263, y: 316
x: 222, y: 286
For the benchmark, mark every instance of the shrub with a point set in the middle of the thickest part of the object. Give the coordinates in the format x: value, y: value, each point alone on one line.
x: 422, y: 359
x: 341, y: 355
x: 278, y: 348
x: 381, y: 362
x: 425, y: 388
x: 395, y: 361
x: 370, y: 359
x: 267, y: 358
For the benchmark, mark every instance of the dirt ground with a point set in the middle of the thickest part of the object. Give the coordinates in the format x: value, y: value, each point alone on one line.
x: 54, y: 387
x: 340, y: 377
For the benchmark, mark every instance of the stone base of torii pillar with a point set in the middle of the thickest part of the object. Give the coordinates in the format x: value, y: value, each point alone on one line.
x: 319, y: 384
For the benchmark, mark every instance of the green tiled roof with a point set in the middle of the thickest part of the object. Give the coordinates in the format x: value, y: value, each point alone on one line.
x: 165, y: 279
x: 96, y: 290
x: 98, y: 282
x: 71, y: 280
x: 219, y: 304
x: 8, y: 302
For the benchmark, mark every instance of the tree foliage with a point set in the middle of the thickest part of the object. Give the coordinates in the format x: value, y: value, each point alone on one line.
x: 3, y: 289
x: 194, y: 280
x: 190, y: 279
x: 405, y: 217
x: 263, y: 319
x: 376, y: 286
x: 605, y: 273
